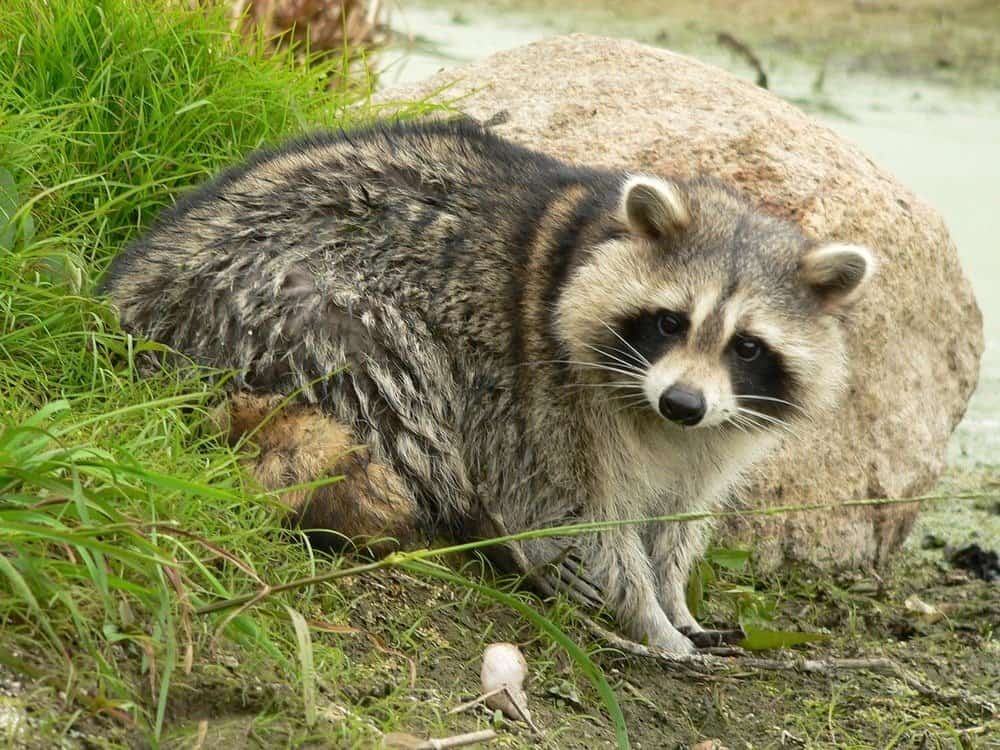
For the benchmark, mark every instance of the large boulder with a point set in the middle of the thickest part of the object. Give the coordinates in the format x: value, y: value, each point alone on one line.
x: 916, y: 340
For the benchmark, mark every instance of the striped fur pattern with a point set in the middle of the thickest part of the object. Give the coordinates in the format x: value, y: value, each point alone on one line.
x: 496, y: 335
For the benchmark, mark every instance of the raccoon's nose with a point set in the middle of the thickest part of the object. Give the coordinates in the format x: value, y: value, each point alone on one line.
x: 683, y: 406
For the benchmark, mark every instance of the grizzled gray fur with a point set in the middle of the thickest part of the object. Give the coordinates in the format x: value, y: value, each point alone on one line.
x: 482, y: 338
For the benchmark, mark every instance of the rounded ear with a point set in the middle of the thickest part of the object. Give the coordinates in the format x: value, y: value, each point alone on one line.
x: 837, y: 272
x: 653, y: 208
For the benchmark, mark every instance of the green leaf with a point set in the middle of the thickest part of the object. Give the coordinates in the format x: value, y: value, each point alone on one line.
x: 762, y: 639
x: 18, y: 584
x: 192, y: 105
x: 8, y: 207
x: 695, y: 594
x: 304, y: 640
x: 730, y: 559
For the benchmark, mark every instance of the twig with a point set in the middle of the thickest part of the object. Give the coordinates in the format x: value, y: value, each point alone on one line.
x: 199, y: 741
x: 409, y: 742
x: 221, y: 628
x: 252, y: 734
x: 514, y: 702
x: 882, y: 666
x: 475, y: 701
x: 977, y: 730
x: 250, y: 599
x: 173, y: 528
x: 683, y: 664
x: 728, y: 40
x: 703, y: 665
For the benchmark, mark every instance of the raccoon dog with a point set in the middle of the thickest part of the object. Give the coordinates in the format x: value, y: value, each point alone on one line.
x: 482, y: 337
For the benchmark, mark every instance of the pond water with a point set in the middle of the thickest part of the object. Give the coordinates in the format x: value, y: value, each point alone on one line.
x: 944, y: 145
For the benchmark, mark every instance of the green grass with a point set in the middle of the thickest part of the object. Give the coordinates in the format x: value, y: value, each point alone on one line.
x: 107, y: 111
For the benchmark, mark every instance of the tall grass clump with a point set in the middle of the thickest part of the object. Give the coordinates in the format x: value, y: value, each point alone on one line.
x: 108, y: 109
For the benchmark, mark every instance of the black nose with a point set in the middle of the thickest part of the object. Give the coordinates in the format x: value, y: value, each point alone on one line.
x: 683, y: 406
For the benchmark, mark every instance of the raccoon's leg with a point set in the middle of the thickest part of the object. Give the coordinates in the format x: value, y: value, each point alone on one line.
x: 614, y: 568
x: 370, y: 504
x: 674, y: 548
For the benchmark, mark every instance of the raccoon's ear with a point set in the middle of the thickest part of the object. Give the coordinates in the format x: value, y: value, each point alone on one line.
x: 837, y: 272
x: 653, y: 208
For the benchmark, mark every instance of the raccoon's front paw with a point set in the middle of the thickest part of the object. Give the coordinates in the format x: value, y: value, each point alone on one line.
x: 560, y: 567
x: 702, y: 638
x: 672, y: 641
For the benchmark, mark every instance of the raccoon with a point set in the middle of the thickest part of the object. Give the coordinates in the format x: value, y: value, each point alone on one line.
x: 477, y: 336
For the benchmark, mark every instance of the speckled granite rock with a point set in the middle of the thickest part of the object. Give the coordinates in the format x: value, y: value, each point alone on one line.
x: 915, y: 341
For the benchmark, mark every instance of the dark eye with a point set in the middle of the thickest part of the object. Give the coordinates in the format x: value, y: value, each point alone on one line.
x: 748, y: 349
x: 670, y: 324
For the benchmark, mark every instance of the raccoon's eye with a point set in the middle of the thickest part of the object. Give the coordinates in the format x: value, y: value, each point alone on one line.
x: 670, y: 324
x: 747, y: 349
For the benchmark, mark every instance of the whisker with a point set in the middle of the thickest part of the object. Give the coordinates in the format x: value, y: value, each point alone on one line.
x: 634, y: 385
x: 613, y: 358
x: 630, y: 405
x: 747, y: 420
x: 761, y: 415
x: 635, y: 374
x: 737, y: 424
x: 622, y: 339
x: 782, y: 401
x: 768, y: 419
x: 640, y: 397
x: 746, y: 424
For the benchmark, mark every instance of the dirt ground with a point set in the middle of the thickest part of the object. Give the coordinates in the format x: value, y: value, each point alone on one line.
x: 434, y: 636
x: 409, y: 650
x: 395, y: 652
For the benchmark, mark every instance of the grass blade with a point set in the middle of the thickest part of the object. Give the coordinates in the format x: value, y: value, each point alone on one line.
x: 304, y: 640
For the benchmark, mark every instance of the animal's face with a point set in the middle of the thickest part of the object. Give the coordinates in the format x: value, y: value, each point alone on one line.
x: 707, y: 313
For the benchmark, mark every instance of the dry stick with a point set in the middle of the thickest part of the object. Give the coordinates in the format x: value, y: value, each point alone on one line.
x: 703, y: 665
x: 486, y: 696
x: 250, y: 599
x: 728, y: 40
x: 259, y: 596
x: 475, y: 701
x: 199, y: 741
x: 580, y: 529
x: 458, y: 740
x: 883, y: 666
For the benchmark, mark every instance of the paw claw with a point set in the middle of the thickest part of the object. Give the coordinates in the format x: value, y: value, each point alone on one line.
x: 578, y: 588
x: 565, y: 572
x: 706, y: 639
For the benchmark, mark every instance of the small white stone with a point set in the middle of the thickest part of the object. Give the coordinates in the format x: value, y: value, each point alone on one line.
x: 504, y: 666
